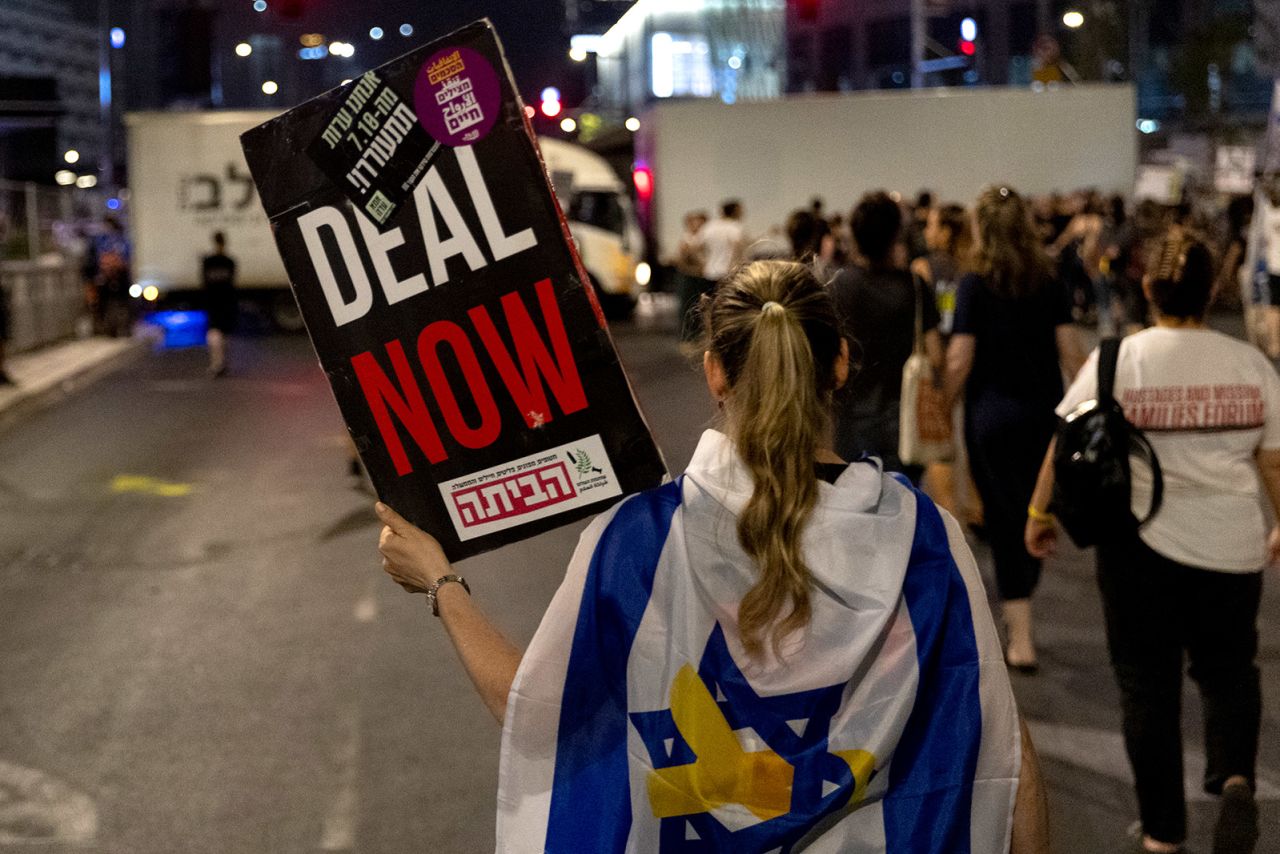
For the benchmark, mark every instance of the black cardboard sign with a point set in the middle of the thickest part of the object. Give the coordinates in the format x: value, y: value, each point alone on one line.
x: 474, y: 370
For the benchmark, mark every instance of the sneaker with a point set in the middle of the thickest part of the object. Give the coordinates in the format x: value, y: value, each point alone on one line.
x: 1237, y: 829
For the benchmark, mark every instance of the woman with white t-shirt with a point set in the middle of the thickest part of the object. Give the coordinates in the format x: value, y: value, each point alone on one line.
x: 1190, y: 580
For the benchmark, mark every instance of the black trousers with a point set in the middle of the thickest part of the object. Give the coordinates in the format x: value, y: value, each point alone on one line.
x: 1156, y: 609
x: 1006, y: 444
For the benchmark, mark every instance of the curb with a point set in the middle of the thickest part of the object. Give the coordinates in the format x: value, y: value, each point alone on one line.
x: 36, y: 399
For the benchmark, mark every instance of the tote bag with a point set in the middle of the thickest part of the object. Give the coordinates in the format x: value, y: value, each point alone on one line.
x: 925, y: 434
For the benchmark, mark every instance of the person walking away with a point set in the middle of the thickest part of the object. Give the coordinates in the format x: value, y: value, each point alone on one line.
x: 1079, y: 251
x: 827, y: 606
x: 1233, y: 277
x: 1189, y: 582
x: 723, y: 242
x: 812, y: 243
x: 688, y: 262
x: 218, y: 276
x: 112, y: 258
x: 948, y: 235
x: 877, y: 302
x: 1011, y: 342
x: 1148, y: 227
x: 917, y: 217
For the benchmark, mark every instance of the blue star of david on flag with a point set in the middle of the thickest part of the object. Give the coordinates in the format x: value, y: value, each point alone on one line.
x: 703, y: 777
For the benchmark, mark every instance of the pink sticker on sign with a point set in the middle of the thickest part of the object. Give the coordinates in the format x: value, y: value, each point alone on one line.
x: 456, y: 96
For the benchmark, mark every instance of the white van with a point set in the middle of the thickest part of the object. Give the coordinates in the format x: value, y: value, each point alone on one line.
x: 602, y: 221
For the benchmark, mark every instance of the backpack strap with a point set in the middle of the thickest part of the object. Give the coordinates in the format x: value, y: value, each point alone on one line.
x: 1141, y: 448
x: 1108, y: 356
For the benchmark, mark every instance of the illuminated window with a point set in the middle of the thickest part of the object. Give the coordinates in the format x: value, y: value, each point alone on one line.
x: 681, y: 65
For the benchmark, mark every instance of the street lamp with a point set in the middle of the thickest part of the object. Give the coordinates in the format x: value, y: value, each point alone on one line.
x: 269, y: 87
x: 1073, y: 20
x: 71, y: 156
x: 577, y: 54
x: 568, y: 125
x: 64, y: 177
x: 244, y: 49
x: 632, y: 124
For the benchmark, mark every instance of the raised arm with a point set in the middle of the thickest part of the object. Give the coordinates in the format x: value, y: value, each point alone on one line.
x: 415, y: 560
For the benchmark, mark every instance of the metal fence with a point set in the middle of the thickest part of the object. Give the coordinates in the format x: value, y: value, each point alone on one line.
x: 45, y: 300
x: 34, y: 217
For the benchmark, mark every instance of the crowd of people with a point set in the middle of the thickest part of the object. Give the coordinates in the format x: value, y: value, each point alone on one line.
x: 803, y: 520
x: 1098, y: 245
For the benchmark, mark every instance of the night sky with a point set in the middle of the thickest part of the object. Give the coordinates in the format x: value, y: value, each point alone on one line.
x: 531, y: 30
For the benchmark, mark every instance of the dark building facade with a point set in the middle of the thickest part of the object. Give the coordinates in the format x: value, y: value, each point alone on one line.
x: 1194, y: 61
x: 50, y: 98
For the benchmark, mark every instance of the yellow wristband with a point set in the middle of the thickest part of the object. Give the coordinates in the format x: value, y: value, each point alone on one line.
x: 1040, y: 515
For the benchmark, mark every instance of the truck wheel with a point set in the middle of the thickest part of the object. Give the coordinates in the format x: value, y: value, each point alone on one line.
x: 285, y: 313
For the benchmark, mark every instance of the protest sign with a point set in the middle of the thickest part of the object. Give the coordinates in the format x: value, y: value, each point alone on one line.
x: 446, y: 302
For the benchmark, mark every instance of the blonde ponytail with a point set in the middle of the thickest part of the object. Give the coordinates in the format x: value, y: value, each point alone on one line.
x: 774, y: 329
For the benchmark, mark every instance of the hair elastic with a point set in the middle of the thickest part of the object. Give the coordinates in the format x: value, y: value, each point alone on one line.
x: 772, y: 306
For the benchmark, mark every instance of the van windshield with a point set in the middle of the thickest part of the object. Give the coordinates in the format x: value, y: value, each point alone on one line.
x: 599, y: 208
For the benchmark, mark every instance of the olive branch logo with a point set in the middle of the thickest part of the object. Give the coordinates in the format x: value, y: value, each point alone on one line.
x: 582, y: 462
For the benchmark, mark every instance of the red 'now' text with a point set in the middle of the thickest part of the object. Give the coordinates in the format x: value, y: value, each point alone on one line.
x: 524, y: 367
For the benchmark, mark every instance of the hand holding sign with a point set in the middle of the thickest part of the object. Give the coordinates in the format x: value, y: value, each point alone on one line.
x: 409, y: 555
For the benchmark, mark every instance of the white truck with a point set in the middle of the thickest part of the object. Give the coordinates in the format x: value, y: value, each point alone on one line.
x: 602, y: 221
x: 775, y: 156
x: 188, y: 179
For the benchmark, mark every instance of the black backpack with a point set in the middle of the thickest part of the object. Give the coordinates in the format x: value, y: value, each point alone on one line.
x: 1091, y: 483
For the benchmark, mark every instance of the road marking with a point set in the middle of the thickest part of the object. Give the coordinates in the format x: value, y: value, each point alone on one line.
x: 1102, y: 752
x: 35, y: 807
x: 339, y: 830
x: 149, y: 486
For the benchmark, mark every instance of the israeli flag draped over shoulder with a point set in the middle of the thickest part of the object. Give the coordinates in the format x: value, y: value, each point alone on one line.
x: 638, y: 723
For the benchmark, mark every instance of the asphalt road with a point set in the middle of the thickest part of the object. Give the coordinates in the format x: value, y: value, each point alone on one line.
x: 199, y: 653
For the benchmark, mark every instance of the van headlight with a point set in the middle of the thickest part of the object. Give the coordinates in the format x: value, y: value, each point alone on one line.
x: 643, y: 274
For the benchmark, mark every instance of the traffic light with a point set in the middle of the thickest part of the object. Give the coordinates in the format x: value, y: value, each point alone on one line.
x: 968, y: 45
x: 551, y: 102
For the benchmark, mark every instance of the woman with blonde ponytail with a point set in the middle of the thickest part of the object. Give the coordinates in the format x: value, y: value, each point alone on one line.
x: 777, y: 650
